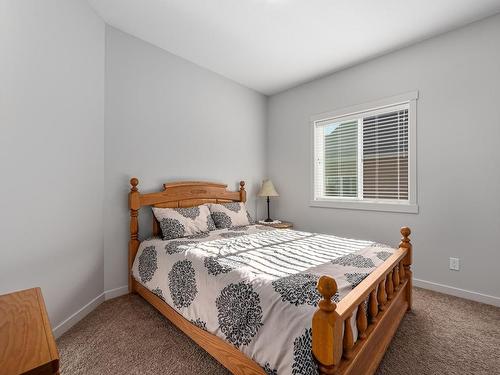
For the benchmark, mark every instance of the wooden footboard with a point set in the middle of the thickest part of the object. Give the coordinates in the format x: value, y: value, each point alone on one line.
x: 379, y: 303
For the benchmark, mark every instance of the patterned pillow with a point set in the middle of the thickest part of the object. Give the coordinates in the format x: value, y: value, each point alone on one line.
x: 227, y: 215
x: 182, y: 222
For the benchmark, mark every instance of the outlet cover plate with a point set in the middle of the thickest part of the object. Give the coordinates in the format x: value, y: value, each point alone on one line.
x: 455, y: 264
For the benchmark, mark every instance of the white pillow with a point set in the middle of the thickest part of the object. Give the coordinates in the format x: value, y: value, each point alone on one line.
x: 227, y: 215
x: 181, y: 222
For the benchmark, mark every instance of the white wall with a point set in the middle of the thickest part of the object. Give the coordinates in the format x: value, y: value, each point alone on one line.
x: 168, y: 119
x: 458, y: 77
x: 51, y: 151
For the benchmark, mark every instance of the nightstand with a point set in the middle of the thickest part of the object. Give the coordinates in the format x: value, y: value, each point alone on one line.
x: 282, y: 225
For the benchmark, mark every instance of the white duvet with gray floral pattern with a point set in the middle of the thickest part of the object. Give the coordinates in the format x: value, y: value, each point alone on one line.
x: 254, y: 286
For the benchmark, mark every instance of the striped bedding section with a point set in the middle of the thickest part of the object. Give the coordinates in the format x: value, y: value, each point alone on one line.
x: 278, y: 253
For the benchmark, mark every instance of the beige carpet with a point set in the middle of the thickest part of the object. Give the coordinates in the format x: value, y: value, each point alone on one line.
x: 443, y: 335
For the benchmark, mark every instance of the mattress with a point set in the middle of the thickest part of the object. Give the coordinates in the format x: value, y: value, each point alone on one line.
x: 255, y: 286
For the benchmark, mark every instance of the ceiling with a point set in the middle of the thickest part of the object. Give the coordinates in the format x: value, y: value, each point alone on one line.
x: 272, y: 45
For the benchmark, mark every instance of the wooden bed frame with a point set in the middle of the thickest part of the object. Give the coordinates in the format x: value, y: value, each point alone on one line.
x: 388, y: 290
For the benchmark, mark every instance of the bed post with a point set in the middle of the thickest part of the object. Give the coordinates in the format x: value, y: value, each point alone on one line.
x: 406, y: 263
x: 133, y: 244
x: 327, y: 329
x: 243, y: 193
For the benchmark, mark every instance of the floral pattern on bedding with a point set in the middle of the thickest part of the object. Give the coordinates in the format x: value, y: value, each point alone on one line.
x: 238, y: 283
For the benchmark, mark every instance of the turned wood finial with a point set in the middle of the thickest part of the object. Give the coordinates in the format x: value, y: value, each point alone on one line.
x: 405, y: 241
x: 406, y: 263
x: 243, y: 193
x: 327, y: 287
x: 134, y: 182
x: 327, y: 329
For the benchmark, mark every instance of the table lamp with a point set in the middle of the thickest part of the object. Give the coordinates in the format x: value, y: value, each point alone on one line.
x: 268, y: 190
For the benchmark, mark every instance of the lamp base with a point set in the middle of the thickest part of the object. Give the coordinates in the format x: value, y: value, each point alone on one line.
x: 268, y: 220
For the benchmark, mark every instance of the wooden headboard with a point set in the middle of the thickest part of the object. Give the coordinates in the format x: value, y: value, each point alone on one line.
x: 173, y: 195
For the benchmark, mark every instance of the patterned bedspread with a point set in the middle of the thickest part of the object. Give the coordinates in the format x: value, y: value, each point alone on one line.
x: 255, y: 287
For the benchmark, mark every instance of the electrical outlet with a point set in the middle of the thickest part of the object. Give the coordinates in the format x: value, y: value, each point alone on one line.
x: 455, y: 264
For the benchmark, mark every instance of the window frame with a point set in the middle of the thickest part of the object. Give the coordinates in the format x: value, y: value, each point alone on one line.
x: 410, y: 206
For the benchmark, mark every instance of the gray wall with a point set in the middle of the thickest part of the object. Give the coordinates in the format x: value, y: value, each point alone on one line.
x: 51, y: 151
x: 168, y: 119
x: 458, y: 77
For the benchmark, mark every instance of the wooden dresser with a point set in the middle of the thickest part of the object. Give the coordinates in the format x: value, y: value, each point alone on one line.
x: 27, y: 345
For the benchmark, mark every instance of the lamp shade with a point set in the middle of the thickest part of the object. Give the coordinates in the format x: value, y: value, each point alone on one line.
x: 268, y: 190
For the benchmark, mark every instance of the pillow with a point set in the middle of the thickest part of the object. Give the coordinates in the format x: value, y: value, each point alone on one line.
x: 227, y: 215
x: 182, y: 222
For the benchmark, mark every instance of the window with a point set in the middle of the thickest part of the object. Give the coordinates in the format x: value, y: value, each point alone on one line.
x: 364, y: 156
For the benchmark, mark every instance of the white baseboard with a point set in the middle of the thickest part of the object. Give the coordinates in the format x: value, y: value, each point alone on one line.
x: 116, y: 292
x: 457, y: 292
x: 77, y: 316
x: 89, y: 307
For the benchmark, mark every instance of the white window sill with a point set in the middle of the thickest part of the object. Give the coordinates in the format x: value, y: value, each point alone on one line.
x: 410, y: 208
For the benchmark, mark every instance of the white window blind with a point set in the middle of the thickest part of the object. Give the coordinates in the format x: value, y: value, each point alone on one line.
x: 337, y: 159
x: 363, y: 156
x: 385, y: 156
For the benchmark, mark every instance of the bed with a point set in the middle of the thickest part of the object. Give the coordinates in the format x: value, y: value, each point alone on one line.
x: 262, y: 300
